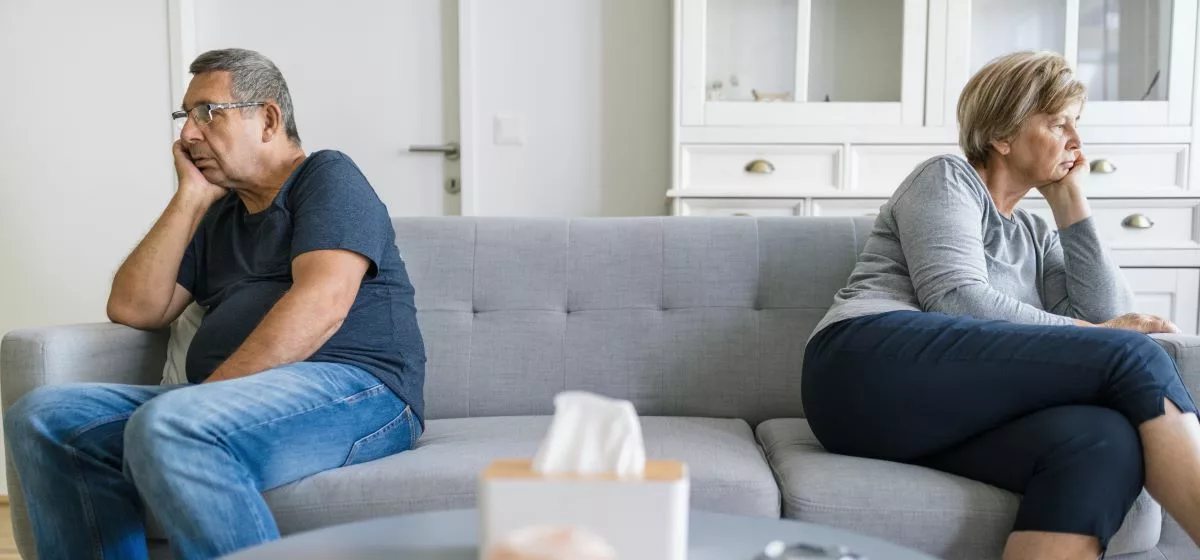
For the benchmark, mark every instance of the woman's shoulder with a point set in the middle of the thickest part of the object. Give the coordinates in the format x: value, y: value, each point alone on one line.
x: 945, y: 166
x: 942, y: 175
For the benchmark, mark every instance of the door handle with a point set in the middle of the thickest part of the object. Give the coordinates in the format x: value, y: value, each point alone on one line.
x: 449, y: 150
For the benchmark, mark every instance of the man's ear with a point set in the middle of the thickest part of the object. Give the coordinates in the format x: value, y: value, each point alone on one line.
x: 272, y: 121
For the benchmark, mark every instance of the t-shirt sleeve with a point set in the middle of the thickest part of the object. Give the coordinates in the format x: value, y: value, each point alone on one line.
x: 939, y: 223
x: 189, y: 266
x: 334, y: 207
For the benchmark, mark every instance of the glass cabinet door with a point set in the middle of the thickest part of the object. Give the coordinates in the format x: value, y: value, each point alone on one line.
x: 1134, y: 55
x: 999, y: 27
x: 1125, y: 49
x: 789, y: 62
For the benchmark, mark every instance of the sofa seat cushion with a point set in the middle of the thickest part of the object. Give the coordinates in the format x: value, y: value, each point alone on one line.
x: 728, y: 471
x: 941, y: 514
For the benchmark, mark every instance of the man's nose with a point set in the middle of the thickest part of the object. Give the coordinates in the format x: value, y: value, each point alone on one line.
x: 190, y: 131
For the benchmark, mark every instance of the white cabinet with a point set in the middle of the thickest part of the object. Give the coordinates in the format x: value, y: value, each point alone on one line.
x: 760, y: 170
x: 1139, y: 224
x: 802, y: 62
x: 1170, y: 293
x: 1135, y: 56
x: 823, y: 107
x: 848, y: 207
x: 741, y: 207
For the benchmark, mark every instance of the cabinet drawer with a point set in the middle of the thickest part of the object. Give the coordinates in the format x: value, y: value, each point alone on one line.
x: 1171, y: 293
x: 880, y: 169
x: 1136, y: 170
x: 761, y: 170
x: 1138, y: 224
x: 847, y: 207
x: 741, y: 207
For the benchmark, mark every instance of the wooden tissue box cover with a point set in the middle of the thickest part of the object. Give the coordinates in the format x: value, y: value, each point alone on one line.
x: 643, y: 519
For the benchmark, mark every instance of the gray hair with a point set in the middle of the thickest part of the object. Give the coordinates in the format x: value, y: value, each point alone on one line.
x: 255, y: 78
x: 1003, y: 94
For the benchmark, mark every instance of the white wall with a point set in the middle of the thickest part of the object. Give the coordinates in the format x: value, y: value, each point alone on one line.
x: 591, y: 79
x: 85, y: 151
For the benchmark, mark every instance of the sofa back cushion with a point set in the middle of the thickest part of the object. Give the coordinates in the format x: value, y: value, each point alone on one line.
x: 681, y: 316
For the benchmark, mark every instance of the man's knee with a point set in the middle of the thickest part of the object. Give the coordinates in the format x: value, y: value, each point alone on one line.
x: 43, y: 412
x: 157, y: 425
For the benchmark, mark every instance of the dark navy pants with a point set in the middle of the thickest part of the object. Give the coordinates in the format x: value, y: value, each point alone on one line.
x: 1047, y: 412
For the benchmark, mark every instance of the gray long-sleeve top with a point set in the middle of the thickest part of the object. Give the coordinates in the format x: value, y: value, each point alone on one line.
x: 940, y: 244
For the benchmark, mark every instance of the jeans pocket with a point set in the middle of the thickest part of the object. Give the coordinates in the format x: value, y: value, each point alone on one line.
x: 392, y: 438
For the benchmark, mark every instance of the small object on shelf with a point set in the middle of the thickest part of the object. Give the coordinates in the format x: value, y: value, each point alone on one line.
x: 1153, y: 82
x: 771, y: 96
x: 714, y: 90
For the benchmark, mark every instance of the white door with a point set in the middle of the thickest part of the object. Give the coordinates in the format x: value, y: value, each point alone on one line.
x: 1167, y: 292
x: 368, y: 77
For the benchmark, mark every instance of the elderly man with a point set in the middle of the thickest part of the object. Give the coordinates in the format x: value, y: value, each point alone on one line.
x: 308, y: 358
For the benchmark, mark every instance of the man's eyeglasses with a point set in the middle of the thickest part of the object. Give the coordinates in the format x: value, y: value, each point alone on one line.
x: 202, y: 113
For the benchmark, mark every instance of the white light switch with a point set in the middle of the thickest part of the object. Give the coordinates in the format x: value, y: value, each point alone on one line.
x: 508, y: 130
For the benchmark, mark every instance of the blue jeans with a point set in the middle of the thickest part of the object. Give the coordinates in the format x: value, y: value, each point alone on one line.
x: 91, y: 456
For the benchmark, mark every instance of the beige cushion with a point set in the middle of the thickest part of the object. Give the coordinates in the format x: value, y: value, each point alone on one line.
x: 182, y: 331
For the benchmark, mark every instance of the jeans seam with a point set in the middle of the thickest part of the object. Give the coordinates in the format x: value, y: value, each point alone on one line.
x: 93, y: 528
x: 348, y: 398
x: 249, y: 502
x: 414, y: 428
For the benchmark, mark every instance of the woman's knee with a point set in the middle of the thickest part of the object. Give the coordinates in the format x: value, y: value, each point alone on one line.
x: 1086, y: 482
x: 1102, y: 451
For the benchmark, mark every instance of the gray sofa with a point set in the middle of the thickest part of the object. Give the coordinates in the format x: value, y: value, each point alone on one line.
x: 700, y: 322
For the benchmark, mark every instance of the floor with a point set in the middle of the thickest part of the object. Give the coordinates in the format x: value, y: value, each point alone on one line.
x: 8, y: 548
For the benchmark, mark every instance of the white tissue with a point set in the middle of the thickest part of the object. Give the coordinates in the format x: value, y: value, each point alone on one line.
x: 591, y: 434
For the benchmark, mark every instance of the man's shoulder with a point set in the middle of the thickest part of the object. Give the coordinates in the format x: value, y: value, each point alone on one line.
x: 327, y: 169
x: 325, y: 158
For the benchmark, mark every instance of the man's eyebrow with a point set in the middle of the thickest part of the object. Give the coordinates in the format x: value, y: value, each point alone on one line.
x: 198, y: 103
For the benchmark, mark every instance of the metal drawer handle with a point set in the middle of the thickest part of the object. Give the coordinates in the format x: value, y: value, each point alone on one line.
x: 1137, y: 221
x: 1103, y: 166
x: 760, y: 166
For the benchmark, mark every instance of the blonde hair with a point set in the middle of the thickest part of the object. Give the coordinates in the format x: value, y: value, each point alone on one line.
x: 1008, y: 90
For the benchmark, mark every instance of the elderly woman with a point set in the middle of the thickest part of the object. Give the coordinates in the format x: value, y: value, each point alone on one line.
x: 974, y: 338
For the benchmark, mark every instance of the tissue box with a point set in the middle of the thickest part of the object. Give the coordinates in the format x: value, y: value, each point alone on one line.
x: 643, y: 519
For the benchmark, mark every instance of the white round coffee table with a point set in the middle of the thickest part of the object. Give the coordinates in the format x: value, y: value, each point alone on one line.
x: 454, y: 535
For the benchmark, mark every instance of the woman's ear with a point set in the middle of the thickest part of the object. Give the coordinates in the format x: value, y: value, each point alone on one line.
x: 1002, y: 147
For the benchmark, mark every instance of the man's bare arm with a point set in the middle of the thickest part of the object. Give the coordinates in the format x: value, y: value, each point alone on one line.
x: 145, y: 293
x: 324, y: 286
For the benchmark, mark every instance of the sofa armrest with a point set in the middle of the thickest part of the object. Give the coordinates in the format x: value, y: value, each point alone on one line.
x: 95, y: 352
x: 98, y: 352
x: 1185, y: 349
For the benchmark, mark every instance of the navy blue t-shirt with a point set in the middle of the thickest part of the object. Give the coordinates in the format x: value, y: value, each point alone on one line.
x: 239, y: 264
